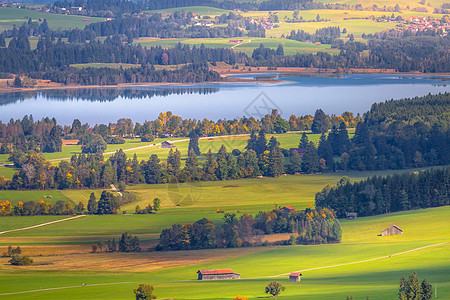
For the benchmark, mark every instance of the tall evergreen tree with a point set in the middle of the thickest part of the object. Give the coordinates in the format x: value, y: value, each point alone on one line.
x: 261, y: 144
x: 310, y: 161
x: 92, y: 204
x: 320, y: 123
x: 192, y: 165
x: 304, y: 141
x: 193, y: 143
x: 276, y: 161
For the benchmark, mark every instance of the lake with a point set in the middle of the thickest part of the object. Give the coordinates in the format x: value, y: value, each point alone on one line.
x: 298, y: 95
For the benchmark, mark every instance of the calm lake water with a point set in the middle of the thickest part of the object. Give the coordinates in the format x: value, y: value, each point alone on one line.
x: 295, y: 95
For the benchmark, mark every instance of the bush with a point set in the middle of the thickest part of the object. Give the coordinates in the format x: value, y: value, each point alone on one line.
x: 147, y: 138
x: 115, y: 140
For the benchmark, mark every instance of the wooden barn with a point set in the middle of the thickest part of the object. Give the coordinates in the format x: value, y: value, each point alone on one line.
x: 287, y: 209
x: 218, y: 274
x: 351, y: 215
x: 300, y: 151
x: 393, y: 229
x: 167, y: 144
x: 295, y: 277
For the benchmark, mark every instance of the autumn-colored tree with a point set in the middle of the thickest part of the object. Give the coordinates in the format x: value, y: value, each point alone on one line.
x: 144, y: 292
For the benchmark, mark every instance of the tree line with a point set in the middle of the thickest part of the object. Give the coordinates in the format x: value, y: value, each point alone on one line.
x: 310, y: 226
x: 107, y: 204
x: 379, y: 195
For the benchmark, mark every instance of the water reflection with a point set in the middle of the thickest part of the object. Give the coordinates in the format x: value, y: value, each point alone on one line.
x: 104, y: 94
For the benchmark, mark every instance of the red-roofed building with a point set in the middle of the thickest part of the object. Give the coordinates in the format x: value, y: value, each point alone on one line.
x: 295, y: 277
x: 217, y: 274
x: 287, y: 209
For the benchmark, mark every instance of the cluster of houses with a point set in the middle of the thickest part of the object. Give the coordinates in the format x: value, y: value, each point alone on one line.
x: 422, y: 24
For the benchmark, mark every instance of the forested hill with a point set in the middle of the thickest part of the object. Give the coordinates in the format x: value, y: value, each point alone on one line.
x: 434, y: 109
x: 378, y: 195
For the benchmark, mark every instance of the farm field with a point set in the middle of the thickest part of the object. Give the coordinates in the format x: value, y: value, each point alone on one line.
x: 173, y: 273
x: 15, y: 16
x: 247, y: 46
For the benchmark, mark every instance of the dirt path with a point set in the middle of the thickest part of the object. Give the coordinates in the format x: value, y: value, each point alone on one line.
x: 249, y: 41
x: 43, y: 224
x: 250, y: 278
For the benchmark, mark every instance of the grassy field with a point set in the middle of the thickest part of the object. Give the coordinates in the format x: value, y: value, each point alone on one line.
x: 247, y: 46
x: 173, y: 273
x: 106, y: 65
x: 15, y: 16
x: 15, y: 196
x: 201, y: 10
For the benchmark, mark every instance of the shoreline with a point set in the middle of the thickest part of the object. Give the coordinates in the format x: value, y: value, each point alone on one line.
x: 224, y: 73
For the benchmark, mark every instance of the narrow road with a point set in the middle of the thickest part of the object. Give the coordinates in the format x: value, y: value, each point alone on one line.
x: 249, y: 41
x: 43, y: 224
x: 250, y: 278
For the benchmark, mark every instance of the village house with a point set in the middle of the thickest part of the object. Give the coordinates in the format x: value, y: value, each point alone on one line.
x: 167, y: 144
x: 295, y: 277
x: 393, y: 229
x: 300, y: 151
x: 287, y: 209
x: 351, y: 215
x: 218, y: 274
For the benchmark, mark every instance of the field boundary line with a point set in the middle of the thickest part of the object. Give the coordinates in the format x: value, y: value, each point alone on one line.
x: 354, y: 262
x: 43, y: 224
x: 64, y: 287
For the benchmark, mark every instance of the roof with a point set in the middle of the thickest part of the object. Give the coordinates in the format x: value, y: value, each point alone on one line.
x: 288, y: 207
x: 395, y: 227
x: 295, y: 274
x: 216, y: 272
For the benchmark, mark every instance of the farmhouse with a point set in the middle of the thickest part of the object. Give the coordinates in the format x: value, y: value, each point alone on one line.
x: 300, y: 151
x: 295, y: 277
x: 351, y: 215
x: 217, y: 274
x: 287, y: 209
x: 167, y: 144
x: 393, y: 229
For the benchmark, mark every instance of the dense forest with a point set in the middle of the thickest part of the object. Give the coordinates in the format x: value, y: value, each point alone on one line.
x: 111, y: 8
x: 380, y: 195
x: 309, y: 226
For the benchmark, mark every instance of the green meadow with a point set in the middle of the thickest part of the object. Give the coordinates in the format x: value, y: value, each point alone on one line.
x: 370, y: 266
x: 15, y: 16
x: 106, y: 65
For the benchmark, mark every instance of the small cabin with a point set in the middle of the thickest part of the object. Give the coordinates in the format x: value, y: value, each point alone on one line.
x: 167, y: 144
x: 295, y: 277
x: 391, y: 230
x: 287, y: 209
x: 300, y: 151
x: 217, y: 274
x: 351, y: 215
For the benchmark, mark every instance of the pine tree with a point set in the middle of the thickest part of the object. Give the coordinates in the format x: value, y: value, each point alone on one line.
x: 17, y: 82
x: 261, y: 144
x: 252, y: 142
x: 310, y: 161
x: 192, y: 164
x: 223, y: 168
x: 325, y: 151
x: 295, y: 163
x: 276, y: 161
x: 320, y: 123
x: 193, y: 143
x: 92, y: 204
x: 304, y: 141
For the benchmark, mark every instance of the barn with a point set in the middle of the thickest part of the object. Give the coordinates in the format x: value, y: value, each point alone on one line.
x: 351, y: 215
x: 287, y: 209
x: 167, y: 144
x: 217, y: 274
x: 295, y: 277
x: 393, y: 229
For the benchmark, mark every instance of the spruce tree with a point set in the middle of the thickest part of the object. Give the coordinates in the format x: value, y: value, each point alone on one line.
x: 320, y: 123
x: 276, y: 161
x: 192, y: 164
x: 304, y: 141
x: 261, y: 144
x: 310, y: 161
x: 92, y: 204
x: 295, y: 163
x: 193, y: 143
